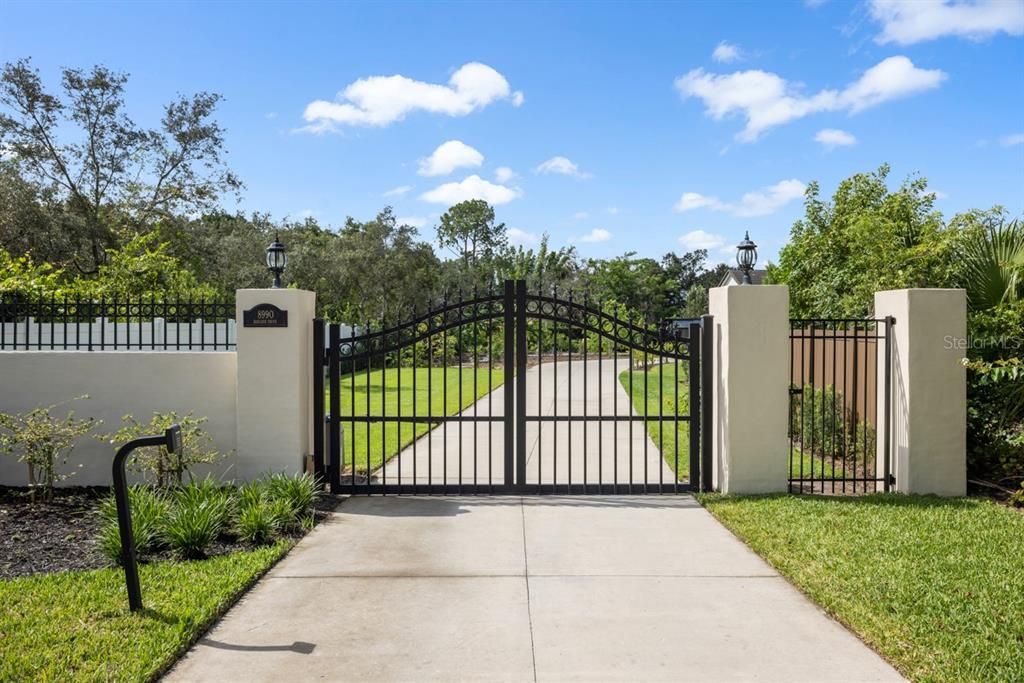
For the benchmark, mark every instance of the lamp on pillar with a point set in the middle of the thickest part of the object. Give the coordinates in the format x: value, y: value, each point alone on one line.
x: 746, y: 257
x: 277, y: 259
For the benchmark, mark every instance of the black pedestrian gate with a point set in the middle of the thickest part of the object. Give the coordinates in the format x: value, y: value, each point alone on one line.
x: 840, y: 406
x: 513, y: 392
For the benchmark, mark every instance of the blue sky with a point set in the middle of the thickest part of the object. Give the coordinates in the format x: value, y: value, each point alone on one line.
x: 663, y: 126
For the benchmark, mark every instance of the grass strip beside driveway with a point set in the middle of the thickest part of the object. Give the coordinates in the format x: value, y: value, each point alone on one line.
x: 662, y: 384
x: 390, y: 392
x: 936, y: 585
x: 75, y: 626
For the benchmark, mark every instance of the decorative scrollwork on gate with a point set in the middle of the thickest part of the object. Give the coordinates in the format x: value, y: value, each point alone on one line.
x: 420, y: 328
x: 623, y: 333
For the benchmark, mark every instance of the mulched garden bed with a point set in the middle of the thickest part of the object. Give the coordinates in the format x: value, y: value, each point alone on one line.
x: 45, y: 537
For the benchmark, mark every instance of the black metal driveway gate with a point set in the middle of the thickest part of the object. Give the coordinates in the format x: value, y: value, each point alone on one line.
x: 512, y: 392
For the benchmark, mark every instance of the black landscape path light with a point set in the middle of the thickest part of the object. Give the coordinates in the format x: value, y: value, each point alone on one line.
x: 277, y: 259
x: 171, y: 440
x: 746, y: 257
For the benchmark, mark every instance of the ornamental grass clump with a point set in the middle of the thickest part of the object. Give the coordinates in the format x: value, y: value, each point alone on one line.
x: 299, y: 491
x: 149, y: 509
x: 200, y: 512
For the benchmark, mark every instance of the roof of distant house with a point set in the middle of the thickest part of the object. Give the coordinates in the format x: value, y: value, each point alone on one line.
x: 735, y: 276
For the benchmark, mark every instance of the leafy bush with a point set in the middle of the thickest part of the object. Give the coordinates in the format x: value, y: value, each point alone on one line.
x: 820, y: 416
x: 168, y: 469
x: 149, y: 509
x: 298, y: 491
x: 42, y: 442
x: 198, y: 515
x: 259, y: 521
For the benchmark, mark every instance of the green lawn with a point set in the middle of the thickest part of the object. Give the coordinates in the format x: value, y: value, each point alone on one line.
x: 935, y: 585
x: 386, y: 440
x: 75, y: 626
x: 674, y: 393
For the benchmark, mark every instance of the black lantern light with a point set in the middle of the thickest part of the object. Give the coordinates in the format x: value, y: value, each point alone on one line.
x: 746, y: 257
x: 277, y: 259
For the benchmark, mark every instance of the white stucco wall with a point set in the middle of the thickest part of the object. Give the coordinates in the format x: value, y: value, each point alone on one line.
x: 751, y: 388
x: 929, y: 389
x: 119, y: 383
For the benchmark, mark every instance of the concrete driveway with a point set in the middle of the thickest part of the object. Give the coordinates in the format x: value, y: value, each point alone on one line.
x: 526, y: 589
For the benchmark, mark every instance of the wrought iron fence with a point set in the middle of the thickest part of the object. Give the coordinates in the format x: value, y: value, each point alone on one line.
x: 116, y: 324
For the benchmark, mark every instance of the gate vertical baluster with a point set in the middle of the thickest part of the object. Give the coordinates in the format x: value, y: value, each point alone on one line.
x: 444, y: 397
x: 540, y: 383
x: 520, y: 357
x: 383, y: 406
x: 600, y: 403
x: 415, y: 395
x: 629, y: 329
x: 647, y: 398
x: 864, y: 414
x: 615, y: 403
x: 399, y: 347
x: 661, y: 418
x: 693, y: 346
x: 508, y: 358
x: 586, y: 374
x: 430, y: 398
x: 707, y: 379
x: 853, y: 404
x: 458, y: 359
x: 833, y: 422
x: 352, y: 406
x: 675, y: 422
x: 476, y: 373
x: 490, y: 387
x: 369, y: 409
x: 554, y: 354
x: 568, y: 339
x: 887, y: 447
x: 334, y: 377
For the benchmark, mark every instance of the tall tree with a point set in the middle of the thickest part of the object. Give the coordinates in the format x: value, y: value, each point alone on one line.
x: 866, y: 239
x: 106, y: 173
x: 470, y: 231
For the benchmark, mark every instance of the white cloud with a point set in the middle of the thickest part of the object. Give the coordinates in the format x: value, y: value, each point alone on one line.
x: 906, y: 22
x: 613, y: 210
x: 726, y: 52
x: 473, y: 187
x: 383, y: 100
x: 307, y: 213
x: 521, y: 237
x: 518, y: 98
x: 504, y: 174
x: 7, y: 152
x: 767, y: 100
x: 414, y: 221
x: 1012, y: 140
x: 762, y: 202
x: 580, y: 215
x: 398, y: 191
x: 561, y: 166
x: 833, y: 137
x: 699, y: 239
x: 449, y: 156
x: 596, y: 235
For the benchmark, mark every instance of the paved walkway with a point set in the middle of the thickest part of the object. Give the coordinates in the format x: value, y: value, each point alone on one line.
x: 526, y: 589
x: 606, y: 452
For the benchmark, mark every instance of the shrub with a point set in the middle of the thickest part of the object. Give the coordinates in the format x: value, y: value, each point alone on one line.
x: 298, y: 491
x: 259, y: 521
x: 198, y: 515
x: 149, y: 510
x: 821, y: 417
x: 165, y: 468
x: 42, y: 442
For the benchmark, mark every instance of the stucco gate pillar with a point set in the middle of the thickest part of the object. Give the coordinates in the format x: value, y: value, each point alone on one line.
x: 928, y: 425
x: 750, y: 388
x: 275, y: 371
